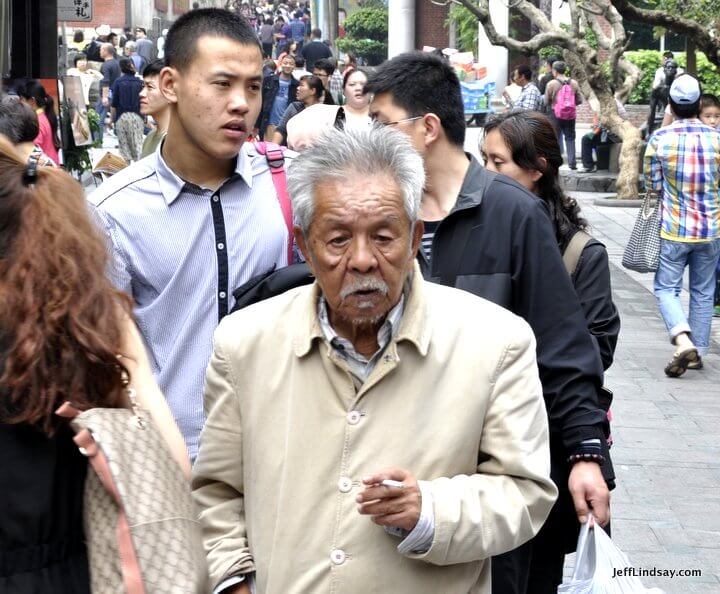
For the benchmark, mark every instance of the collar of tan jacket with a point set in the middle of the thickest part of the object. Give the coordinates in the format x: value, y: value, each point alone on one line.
x: 414, y: 325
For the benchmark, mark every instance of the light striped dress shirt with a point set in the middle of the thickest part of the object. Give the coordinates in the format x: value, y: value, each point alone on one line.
x: 180, y: 250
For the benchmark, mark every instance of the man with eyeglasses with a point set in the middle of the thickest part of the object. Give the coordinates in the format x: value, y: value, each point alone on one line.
x: 488, y: 235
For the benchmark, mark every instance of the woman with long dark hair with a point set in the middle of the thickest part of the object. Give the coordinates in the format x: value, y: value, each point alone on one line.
x: 65, y: 335
x: 33, y: 94
x: 523, y: 145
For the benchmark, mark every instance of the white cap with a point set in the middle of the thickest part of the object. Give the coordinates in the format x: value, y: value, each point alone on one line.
x: 685, y: 89
x: 103, y: 30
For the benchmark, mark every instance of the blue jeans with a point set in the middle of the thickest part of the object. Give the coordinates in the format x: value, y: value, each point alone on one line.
x: 702, y: 259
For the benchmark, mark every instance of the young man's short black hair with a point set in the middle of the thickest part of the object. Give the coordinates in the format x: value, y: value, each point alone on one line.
x: 684, y: 111
x: 326, y: 65
x: 421, y: 83
x: 525, y: 71
x: 153, y: 68
x: 181, y: 40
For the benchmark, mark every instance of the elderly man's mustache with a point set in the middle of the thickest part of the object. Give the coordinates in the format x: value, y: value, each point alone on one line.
x: 364, y: 284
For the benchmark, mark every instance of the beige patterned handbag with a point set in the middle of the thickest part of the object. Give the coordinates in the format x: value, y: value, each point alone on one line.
x: 142, y: 533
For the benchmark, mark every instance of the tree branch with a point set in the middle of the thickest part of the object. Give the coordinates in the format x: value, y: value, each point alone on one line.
x: 547, y: 37
x: 693, y: 29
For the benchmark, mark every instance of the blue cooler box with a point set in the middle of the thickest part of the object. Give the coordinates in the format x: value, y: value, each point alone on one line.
x: 476, y: 95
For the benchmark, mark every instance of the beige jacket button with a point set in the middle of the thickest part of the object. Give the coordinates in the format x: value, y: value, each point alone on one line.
x: 353, y: 417
x: 338, y: 556
x: 345, y: 485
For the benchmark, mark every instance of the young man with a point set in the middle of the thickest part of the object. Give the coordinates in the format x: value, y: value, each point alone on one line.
x: 562, y: 103
x: 279, y: 90
x: 110, y: 71
x: 530, y: 97
x: 297, y: 29
x: 315, y: 49
x: 325, y: 70
x: 682, y: 166
x: 154, y: 104
x: 200, y: 217
x: 486, y: 234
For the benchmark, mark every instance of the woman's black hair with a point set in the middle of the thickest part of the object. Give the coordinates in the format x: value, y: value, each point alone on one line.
x: 534, y: 146
x: 34, y: 90
x: 127, y: 66
x: 17, y: 121
x: 315, y: 85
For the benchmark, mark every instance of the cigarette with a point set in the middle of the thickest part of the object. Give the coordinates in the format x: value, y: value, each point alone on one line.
x: 393, y: 484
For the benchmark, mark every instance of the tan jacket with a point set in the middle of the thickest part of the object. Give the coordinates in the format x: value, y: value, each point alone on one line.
x: 455, y: 399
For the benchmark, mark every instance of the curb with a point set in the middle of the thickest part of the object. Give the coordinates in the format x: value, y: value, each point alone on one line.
x: 616, y: 202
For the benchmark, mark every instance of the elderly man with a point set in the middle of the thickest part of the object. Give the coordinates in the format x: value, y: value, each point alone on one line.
x: 372, y: 432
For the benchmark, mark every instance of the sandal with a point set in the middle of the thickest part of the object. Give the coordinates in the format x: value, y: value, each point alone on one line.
x: 697, y: 364
x: 681, y: 361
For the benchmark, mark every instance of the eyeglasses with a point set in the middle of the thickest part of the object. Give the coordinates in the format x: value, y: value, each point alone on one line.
x: 412, y: 119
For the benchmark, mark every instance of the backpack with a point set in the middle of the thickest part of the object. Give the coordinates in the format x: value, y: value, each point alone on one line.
x: 564, y: 107
x: 275, y: 155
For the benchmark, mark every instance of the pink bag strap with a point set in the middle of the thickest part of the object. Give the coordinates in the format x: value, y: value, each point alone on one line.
x: 129, y: 564
x: 275, y: 155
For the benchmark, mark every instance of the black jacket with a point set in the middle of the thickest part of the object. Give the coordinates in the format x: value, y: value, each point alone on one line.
x: 498, y: 243
x: 270, y: 87
x: 591, y: 281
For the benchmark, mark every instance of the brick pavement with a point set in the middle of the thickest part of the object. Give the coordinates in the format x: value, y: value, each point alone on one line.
x: 666, y: 508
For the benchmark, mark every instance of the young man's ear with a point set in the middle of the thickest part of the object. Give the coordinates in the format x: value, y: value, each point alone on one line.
x: 433, y: 128
x: 167, y: 81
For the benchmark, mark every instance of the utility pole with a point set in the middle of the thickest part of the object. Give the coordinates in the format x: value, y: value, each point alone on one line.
x: 330, y: 21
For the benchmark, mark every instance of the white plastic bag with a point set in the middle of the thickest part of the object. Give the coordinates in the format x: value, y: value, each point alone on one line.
x: 597, y: 560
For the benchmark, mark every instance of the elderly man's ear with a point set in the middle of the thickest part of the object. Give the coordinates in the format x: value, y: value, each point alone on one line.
x: 418, y: 231
x: 302, y: 244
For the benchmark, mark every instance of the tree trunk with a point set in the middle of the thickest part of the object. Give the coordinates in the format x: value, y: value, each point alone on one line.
x: 691, y: 57
x: 627, y: 180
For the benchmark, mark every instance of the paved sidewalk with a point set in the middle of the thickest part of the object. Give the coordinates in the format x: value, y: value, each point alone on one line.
x: 666, y: 508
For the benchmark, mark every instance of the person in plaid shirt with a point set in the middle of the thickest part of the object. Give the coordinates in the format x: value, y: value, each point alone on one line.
x: 530, y: 97
x: 682, y: 166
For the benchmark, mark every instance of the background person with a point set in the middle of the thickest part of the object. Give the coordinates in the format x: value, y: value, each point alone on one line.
x: 315, y: 50
x: 279, y: 90
x: 145, y: 47
x: 129, y: 124
x: 154, y: 104
x: 564, y: 115
x: 62, y: 327
x: 310, y: 91
x: 682, y: 166
x: 19, y: 124
x: 33, y: 94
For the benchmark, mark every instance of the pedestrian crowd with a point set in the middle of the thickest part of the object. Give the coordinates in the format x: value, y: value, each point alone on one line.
x: 380, y: 361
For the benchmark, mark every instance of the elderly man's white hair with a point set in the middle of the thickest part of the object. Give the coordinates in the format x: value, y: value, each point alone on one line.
x: 336, y: 154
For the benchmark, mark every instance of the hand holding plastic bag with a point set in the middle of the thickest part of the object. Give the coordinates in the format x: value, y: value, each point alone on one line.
x: 596, y: 562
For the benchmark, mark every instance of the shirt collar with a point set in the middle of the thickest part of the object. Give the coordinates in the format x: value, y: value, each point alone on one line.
x: 386, y: 331
x: 171, y: 184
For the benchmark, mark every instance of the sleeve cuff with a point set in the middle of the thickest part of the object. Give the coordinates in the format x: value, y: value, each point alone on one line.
x: 419, y: 539
x: 234, y: 581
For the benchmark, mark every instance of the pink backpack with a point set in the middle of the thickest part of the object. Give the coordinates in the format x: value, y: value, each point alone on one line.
x: 564, y: 107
